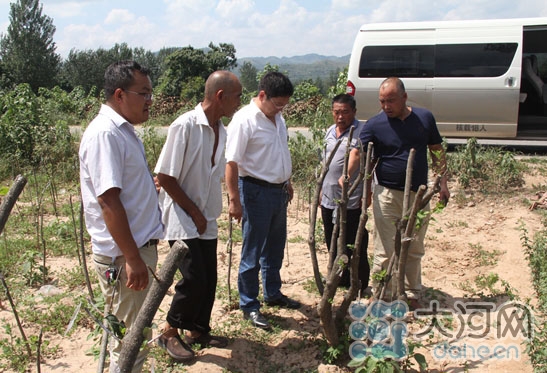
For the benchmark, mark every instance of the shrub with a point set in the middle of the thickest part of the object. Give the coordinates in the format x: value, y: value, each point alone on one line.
x: 536, y: 252
x: 34, y: 131
x: 487, y: 169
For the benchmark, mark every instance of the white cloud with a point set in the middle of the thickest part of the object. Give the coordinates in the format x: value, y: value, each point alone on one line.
x: 234, y: 8
x: 66, y: 9
x: 138, y: 33
x: 116, y: 16
x: 80, y: 37
x: 343, y: 4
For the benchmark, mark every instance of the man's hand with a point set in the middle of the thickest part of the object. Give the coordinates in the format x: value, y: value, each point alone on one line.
x: 137, y: 274
x: 199, y: 220
x: 444, y: 194
x: 290, y: 191
x: 235, y: 210
x: 171, y: 186
x: 234, y: 204
x: 157, y: 184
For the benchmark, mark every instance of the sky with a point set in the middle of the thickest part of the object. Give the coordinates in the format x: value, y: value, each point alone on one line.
x: 260, y: 28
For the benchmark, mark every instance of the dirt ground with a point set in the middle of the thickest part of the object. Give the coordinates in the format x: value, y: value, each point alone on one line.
x: 473, y: 236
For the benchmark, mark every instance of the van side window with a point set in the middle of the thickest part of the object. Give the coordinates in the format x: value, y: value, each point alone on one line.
x: 402, y: 61
x: 473, y: 60
x: 443, y: 60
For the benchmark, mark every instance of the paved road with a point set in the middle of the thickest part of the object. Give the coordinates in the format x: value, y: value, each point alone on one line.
x: 76, y: 130
x: 523, y: 145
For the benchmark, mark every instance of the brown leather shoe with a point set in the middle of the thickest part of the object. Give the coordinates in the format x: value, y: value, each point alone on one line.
x: 414, y: 304
x: 175, y: 347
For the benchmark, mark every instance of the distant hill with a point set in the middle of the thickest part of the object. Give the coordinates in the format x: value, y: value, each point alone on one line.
x: 309, y: 66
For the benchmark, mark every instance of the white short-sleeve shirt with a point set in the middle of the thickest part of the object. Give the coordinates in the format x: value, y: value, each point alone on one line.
x: 112, y: 156
x: 186, y: 156
x: 259, y: 147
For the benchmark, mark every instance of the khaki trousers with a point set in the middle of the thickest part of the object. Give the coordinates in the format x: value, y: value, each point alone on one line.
x: 387, y: 206
x: 125, y: 302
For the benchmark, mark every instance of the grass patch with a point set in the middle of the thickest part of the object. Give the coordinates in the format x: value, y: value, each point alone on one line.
x: 488, y: 170
x: 488, y: 287
x: 485, y: 257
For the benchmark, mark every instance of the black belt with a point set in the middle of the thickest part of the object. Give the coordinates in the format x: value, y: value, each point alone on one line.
x: 264, y: 183
x: 152, y: 242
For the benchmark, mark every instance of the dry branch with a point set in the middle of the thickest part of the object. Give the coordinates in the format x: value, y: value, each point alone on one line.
x: 9, y: 201
x: 16, y: 315
x: 7, y: 205
x: 403, y: 236
x: 355, y: 285
x: 332, y: 325
x: 313, y: 221
x: 406, y: 241
x: 133, y: 340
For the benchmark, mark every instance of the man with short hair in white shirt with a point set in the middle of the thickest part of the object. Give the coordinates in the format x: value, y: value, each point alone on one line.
x: 257, y: 178
x: 120, y: 199
x: 190, y: 169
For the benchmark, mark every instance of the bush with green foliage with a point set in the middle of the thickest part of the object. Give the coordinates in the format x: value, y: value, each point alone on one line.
x: 304, y: 91
x: 536, y: 253
x: 487, y: 169
x: 34, y: 131
x: 305, y: 155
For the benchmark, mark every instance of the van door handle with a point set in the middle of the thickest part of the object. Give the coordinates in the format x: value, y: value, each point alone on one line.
x: 510, y: 81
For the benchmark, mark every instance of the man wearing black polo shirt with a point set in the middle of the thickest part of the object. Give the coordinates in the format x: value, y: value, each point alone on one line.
x: 396, y: 130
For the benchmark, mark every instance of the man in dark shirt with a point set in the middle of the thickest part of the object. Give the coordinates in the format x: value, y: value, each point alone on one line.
x: 396, y: 130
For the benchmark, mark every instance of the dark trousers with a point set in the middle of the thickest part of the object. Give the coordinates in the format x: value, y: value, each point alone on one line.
x: 194, y: 297
x: 352, y: 223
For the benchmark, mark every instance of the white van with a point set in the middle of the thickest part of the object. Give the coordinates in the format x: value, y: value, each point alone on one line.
x: 484, y: 79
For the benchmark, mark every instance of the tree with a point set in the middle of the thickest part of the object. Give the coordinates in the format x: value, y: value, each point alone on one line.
x: 305, y: 90
x: 340, y: 83
x: 188, y: 63
x: 182, y: 65
x: 248, y: 76
x: 222, y: 57
x: 83, y: 69
x: 86, y: 68
x: 268, y: 68
x: 27, y: 51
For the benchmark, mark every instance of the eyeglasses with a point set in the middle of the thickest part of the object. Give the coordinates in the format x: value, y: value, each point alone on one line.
x: 147, y: 96
x: 278, y: 106
x: 341, y: 112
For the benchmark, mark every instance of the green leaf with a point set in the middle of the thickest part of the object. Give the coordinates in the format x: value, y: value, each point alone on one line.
x: 371, y: 364
x: 356, y: 363
x: 420, y: 359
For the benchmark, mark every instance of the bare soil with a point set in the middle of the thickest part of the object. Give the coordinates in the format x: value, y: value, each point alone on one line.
x: 475, y: 235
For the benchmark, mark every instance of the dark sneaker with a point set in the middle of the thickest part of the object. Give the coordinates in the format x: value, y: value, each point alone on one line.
x: 284, y: 302
x: 176, y: 348
x: 257, y: 319
x: 206, y: 340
